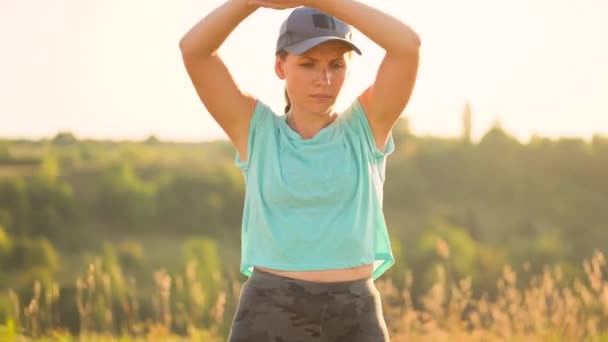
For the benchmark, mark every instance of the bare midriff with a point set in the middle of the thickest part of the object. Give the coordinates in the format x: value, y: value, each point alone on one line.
x: 326, y: 276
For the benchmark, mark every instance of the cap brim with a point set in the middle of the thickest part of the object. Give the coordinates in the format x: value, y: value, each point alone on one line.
x: 303, y: 46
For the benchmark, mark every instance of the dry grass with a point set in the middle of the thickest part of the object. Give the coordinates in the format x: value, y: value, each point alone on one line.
x: 543, y: 310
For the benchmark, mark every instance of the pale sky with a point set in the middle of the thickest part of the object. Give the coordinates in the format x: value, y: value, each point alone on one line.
x: 113, y: 69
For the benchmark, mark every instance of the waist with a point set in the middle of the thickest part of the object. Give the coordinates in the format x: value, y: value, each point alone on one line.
x: 362, y: 286
x: 324, y: 276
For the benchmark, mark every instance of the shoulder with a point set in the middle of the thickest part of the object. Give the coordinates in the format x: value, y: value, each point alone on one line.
x: 356, y: 119
x: 262, y: 122
x: 263, y: 109
x: 263, y: 116
x: 353, y: 115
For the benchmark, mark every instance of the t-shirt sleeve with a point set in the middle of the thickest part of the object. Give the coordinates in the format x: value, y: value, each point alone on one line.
x: 260, y: 114
x: 357, y: 120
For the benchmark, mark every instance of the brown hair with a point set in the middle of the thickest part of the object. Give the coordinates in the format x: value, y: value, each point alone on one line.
x: 282, y: 55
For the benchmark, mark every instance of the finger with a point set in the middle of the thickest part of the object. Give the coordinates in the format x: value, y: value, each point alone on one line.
x: 263, y: 3
x: 281, y: 4
x: 291, y: 3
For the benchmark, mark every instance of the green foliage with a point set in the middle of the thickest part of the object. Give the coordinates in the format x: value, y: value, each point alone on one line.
x: 5, y: 155
x: 130, y: 254
x: 202, y: 281
x: 39, y: 206
x: 5, y: 251
x: 7, y: 331
x: 49, y: 169
x: 152, y: 140
x: 64, y: 138
x: 52, y: 206
x: 124, y: 198
x: 29, y: 253
x: 200, y: 203
x: 493, y: 202
x: 399, y: 270
x: 441, y: 243
x: 14, y: 206
x: 112, y: 267
x: 27, y: 260
x: 5, y: 243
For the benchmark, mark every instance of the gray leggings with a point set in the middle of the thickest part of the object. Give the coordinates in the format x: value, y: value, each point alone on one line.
x: 282, y: 309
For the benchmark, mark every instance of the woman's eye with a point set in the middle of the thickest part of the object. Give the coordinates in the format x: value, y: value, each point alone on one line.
x: 338, y: 66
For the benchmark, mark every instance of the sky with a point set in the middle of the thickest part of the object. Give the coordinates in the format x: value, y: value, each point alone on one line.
x: 112, y: 69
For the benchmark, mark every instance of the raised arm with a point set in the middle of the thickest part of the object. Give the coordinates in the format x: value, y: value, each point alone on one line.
x: 231, y: 108
x: 386, y: 98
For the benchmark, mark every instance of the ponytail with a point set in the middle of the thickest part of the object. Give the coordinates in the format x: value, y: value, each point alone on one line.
x: 282, y: 55
x: 288, y: 106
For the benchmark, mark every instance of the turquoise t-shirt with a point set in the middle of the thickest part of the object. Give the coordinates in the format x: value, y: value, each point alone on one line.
x: 314, y: 204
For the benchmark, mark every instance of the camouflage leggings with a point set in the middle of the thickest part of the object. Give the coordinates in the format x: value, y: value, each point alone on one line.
x: 282, y: 309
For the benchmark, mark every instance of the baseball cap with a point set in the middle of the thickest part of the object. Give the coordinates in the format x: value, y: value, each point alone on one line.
x: 307, y: 27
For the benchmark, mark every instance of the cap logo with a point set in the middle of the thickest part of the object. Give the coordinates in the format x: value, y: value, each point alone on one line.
x: 322, y: 21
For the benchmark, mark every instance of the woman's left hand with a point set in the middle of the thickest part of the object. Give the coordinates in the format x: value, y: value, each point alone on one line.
x: 277, y: 4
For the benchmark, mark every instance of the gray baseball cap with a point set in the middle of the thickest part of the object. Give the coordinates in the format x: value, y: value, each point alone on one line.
x: 307, y: 27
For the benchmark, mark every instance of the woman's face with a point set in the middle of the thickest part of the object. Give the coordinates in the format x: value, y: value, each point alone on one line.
x: 314, y: 79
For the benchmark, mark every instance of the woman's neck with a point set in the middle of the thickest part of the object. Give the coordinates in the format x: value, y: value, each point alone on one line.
x: 308, y: 125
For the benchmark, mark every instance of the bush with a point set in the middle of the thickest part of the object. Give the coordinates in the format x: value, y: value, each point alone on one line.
x: 130, y: 254
x: 125, y: 199
x: 5, y: 244
x: 28, y: 260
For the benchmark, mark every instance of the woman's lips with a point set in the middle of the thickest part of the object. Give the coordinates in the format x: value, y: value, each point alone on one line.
x: 320, y: 97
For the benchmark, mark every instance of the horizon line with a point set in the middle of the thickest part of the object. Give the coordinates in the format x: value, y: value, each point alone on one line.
x: 223, y: 138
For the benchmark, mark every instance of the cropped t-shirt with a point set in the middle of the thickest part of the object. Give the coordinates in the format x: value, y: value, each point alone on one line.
x: 314, y: 204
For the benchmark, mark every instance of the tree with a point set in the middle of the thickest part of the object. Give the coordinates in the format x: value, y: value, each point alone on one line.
x: 5, y: 243
x: 15, y: 206
x: 52, y: 206
x: 123, y: 198
x: 467, y: 123
x: 64, y: 138
x: 152, y: 140
x: 498, y: 140
x: 29, y: 260
x: 49, y: 169
x: 441, y: 243
x: 4, y: 153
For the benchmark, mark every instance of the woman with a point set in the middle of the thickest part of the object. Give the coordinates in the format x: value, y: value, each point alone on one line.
x: 314, y: 237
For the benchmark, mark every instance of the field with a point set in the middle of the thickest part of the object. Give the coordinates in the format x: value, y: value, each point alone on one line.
x: 546, y: 309
x: 139, y: 241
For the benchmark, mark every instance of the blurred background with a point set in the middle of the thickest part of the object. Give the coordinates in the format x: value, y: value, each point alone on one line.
x: 120, y: 204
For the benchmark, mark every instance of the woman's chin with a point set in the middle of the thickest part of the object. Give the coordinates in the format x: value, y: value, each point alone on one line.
x: 322, y: 108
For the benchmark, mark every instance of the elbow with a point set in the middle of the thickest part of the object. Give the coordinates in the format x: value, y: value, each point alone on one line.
x: 187, y: 46
x: 409, y: 45
x: 188, y: 52
x: 193, y: 50
x: 412, y: 43
x: 415, y: 41
x: 184, y: 46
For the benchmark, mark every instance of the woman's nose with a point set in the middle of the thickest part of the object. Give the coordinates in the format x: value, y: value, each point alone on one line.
x: 325, y: 75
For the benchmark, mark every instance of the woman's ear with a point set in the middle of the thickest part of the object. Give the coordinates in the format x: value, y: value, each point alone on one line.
x: 279, y: 68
